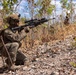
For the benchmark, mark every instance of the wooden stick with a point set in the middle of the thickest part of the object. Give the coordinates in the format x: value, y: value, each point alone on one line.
x: 6, y: 50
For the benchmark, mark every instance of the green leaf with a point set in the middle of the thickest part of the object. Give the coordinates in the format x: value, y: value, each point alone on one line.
x: 14, y: 1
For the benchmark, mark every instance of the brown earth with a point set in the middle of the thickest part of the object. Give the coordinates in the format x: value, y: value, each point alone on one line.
x: 56, y: 57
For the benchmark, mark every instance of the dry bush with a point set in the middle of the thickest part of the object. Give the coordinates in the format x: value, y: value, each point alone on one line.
x: 42, y: 34
x: 66, y: 30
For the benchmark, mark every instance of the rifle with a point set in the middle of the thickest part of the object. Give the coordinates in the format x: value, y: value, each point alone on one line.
x: 31, y: 23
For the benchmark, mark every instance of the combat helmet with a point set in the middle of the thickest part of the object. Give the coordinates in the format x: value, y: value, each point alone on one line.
x: 14, y: 17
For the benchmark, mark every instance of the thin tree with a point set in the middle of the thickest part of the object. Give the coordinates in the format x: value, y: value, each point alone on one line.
x: 64, y: 4
x: 31, y: 12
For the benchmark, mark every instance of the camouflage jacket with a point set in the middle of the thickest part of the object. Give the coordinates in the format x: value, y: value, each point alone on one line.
x: 10, y: 36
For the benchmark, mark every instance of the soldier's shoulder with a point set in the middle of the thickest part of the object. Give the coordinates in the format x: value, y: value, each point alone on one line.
x: 7, y: 31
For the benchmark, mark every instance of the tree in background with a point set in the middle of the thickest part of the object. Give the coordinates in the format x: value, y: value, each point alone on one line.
x: 69, y: 6
x: 45, y: 7
x: 7, y: 6
x: 64, y: 4
x: 31, y: 8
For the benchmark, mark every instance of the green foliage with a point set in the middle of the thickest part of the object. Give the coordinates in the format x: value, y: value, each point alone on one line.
x: 22, y: 20
x: 5, y: 26
x: 40, y: 7
x: 45, y: 7
x: 8, y: 5
x: 14, y: 1
x: 64, y: 3
x: 50, y: 9
x: 73, y: 64
x: 68, y: 5
x: 44, y: 25
x: 74, y: 43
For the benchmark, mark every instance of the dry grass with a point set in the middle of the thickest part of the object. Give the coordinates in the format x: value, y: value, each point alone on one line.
x: 41, y: 35
x: 67, y: 30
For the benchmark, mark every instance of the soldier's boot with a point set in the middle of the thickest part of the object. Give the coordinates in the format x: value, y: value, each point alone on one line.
x: 8, y: 63
x: 5, y: 66
x: 12, y: 66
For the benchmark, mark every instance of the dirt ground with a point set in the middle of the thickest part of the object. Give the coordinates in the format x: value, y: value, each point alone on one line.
x: 56, y: 58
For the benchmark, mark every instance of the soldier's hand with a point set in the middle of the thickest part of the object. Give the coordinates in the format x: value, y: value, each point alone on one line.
x: 26, y: 29
x: 20, y: 29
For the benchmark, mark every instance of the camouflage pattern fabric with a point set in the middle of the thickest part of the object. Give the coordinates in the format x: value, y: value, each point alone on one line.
x: 12, y: 43
x: 12, y: 39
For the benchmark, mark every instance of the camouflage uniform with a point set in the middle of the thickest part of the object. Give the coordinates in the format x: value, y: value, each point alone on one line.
x: 12, y: 41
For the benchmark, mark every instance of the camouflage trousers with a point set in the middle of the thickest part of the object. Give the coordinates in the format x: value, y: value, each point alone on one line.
x: 12, y: 50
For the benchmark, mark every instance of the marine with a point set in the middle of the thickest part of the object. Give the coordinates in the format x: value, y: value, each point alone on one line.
x: 12, y: 41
